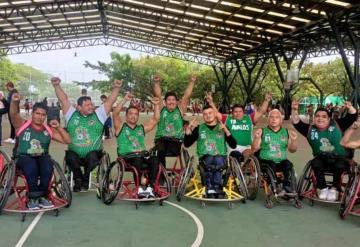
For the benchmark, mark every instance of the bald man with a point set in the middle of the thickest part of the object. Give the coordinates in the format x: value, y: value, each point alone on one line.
x: 273, y: 142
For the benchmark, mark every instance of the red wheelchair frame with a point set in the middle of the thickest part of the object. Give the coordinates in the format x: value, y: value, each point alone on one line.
x: 116, y: 187
x: 15, y: 198
x: 350, y: 199
x: 307, y: 183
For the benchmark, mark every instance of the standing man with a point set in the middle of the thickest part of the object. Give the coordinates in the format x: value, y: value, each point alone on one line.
x: 273, y: 142
x: 169, y: 134
x: 86, y: 128
x: 11, y: 89
x: 324, y: 137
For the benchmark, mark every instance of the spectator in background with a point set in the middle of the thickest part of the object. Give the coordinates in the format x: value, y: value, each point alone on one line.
x: 108, y: 122
x: 45, y: 101
x: 3, y: 109
x: 83, y: 92
x: 11, y: 89
x: 27, y: 107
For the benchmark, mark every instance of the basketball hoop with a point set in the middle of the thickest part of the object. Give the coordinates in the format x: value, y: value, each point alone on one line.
x: 292, y: 77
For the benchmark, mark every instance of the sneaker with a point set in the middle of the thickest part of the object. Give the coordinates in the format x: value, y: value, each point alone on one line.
x: 141, y: 192
x: 323, y: 194
x: 33, y: 204
x: 331, y: 195
x: 281, y: 193
x: 149, y: 192
x: 12, y: 141
x: 45, y: 203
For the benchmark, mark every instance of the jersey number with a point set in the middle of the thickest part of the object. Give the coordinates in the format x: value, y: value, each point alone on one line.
x: 26, y: 136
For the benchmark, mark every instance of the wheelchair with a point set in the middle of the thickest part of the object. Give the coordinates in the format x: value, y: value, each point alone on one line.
x: 116, y: 186
x: 174, y: 172
x: 272, y: 183
x: 14, y: 189
x: 306, y: 187
x: 192, y: 184
x: 97, y: 174
x: 250, y: 169
x: 350, y: 200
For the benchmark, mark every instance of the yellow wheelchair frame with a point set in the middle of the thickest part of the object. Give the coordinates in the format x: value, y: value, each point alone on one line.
x: 191, y: 186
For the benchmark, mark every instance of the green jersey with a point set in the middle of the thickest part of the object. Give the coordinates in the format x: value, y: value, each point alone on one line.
x: 211, y: 141
x: 33, y: 142
x: 130, y: 140
x: 86, y: 133
x: 241, y: 130
x: 170, y: 124
x: 274, y: 144
x: 326, y: 141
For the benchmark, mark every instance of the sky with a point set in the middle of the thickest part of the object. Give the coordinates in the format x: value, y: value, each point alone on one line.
x: 68, y: 67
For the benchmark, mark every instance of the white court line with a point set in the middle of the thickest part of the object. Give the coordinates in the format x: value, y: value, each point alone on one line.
x: 29, y: 230
x: 200, y: 228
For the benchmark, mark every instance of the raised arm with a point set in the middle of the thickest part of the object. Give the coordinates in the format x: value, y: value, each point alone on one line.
x: 16, y: 119
x: 150, y: 125
x: 157, y: 89
x: 187, y: 94
x: 292, y: 145
x: 263, y: 108
x: 345, y: 141
x: 60, y: 94
x: 295, y: 112
x: 116, y: 113
x: 255, y: 146
x: 113, y: 96
x: 210, y: 100
x: 59, y: 133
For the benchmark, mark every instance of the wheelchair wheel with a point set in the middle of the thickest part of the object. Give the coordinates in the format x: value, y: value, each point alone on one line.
x: 270, y: 179
x: 104, y: 164
x: 112, y: 181
x: 239, y: 178
x: 60, y: 184
x: 185, y: 157
x: 305, y: 182
x: 251, y: 172
x: 7, y: 175
x: 185, y: 178
x: 347, y: 200
x: 164, y: 186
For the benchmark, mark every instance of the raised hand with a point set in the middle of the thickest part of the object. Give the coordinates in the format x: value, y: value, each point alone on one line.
x: 293, y: 135
x: 295, y: 105
x: 157, y: 79
x: 16, y: 97
x: 193, y: 78
x: 117, y: 83
x: 55, y: 81
x: 268, y: 96
x: 258, y: 133
x: 209, y: 98
x: 54, y: 124
x: 128, y: 97
x: 356, y: 124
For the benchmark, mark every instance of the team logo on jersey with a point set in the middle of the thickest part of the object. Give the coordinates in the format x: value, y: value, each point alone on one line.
x: 76, y: 121
x: 331, y: 128
x: 176, y: 117
x: 46, y: 133
x: 267, y: 138
x: 203, y: 135
x: 283, y: 139
x: 91, y: 122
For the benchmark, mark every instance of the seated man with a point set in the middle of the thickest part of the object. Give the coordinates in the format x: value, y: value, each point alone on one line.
x: 169, y: 134
x: 32, y: 150
x: 211, y: 137
x: 85, y: 127
x: 273, y: 142
x: 130, y: 138
x: 324, y: 138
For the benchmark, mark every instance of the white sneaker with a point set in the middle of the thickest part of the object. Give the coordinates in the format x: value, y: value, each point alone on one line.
x: 332, y: 195
x: 12, y: 141
x: 323, y: 194
x: 149, y: 192
x: 141, y: 191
